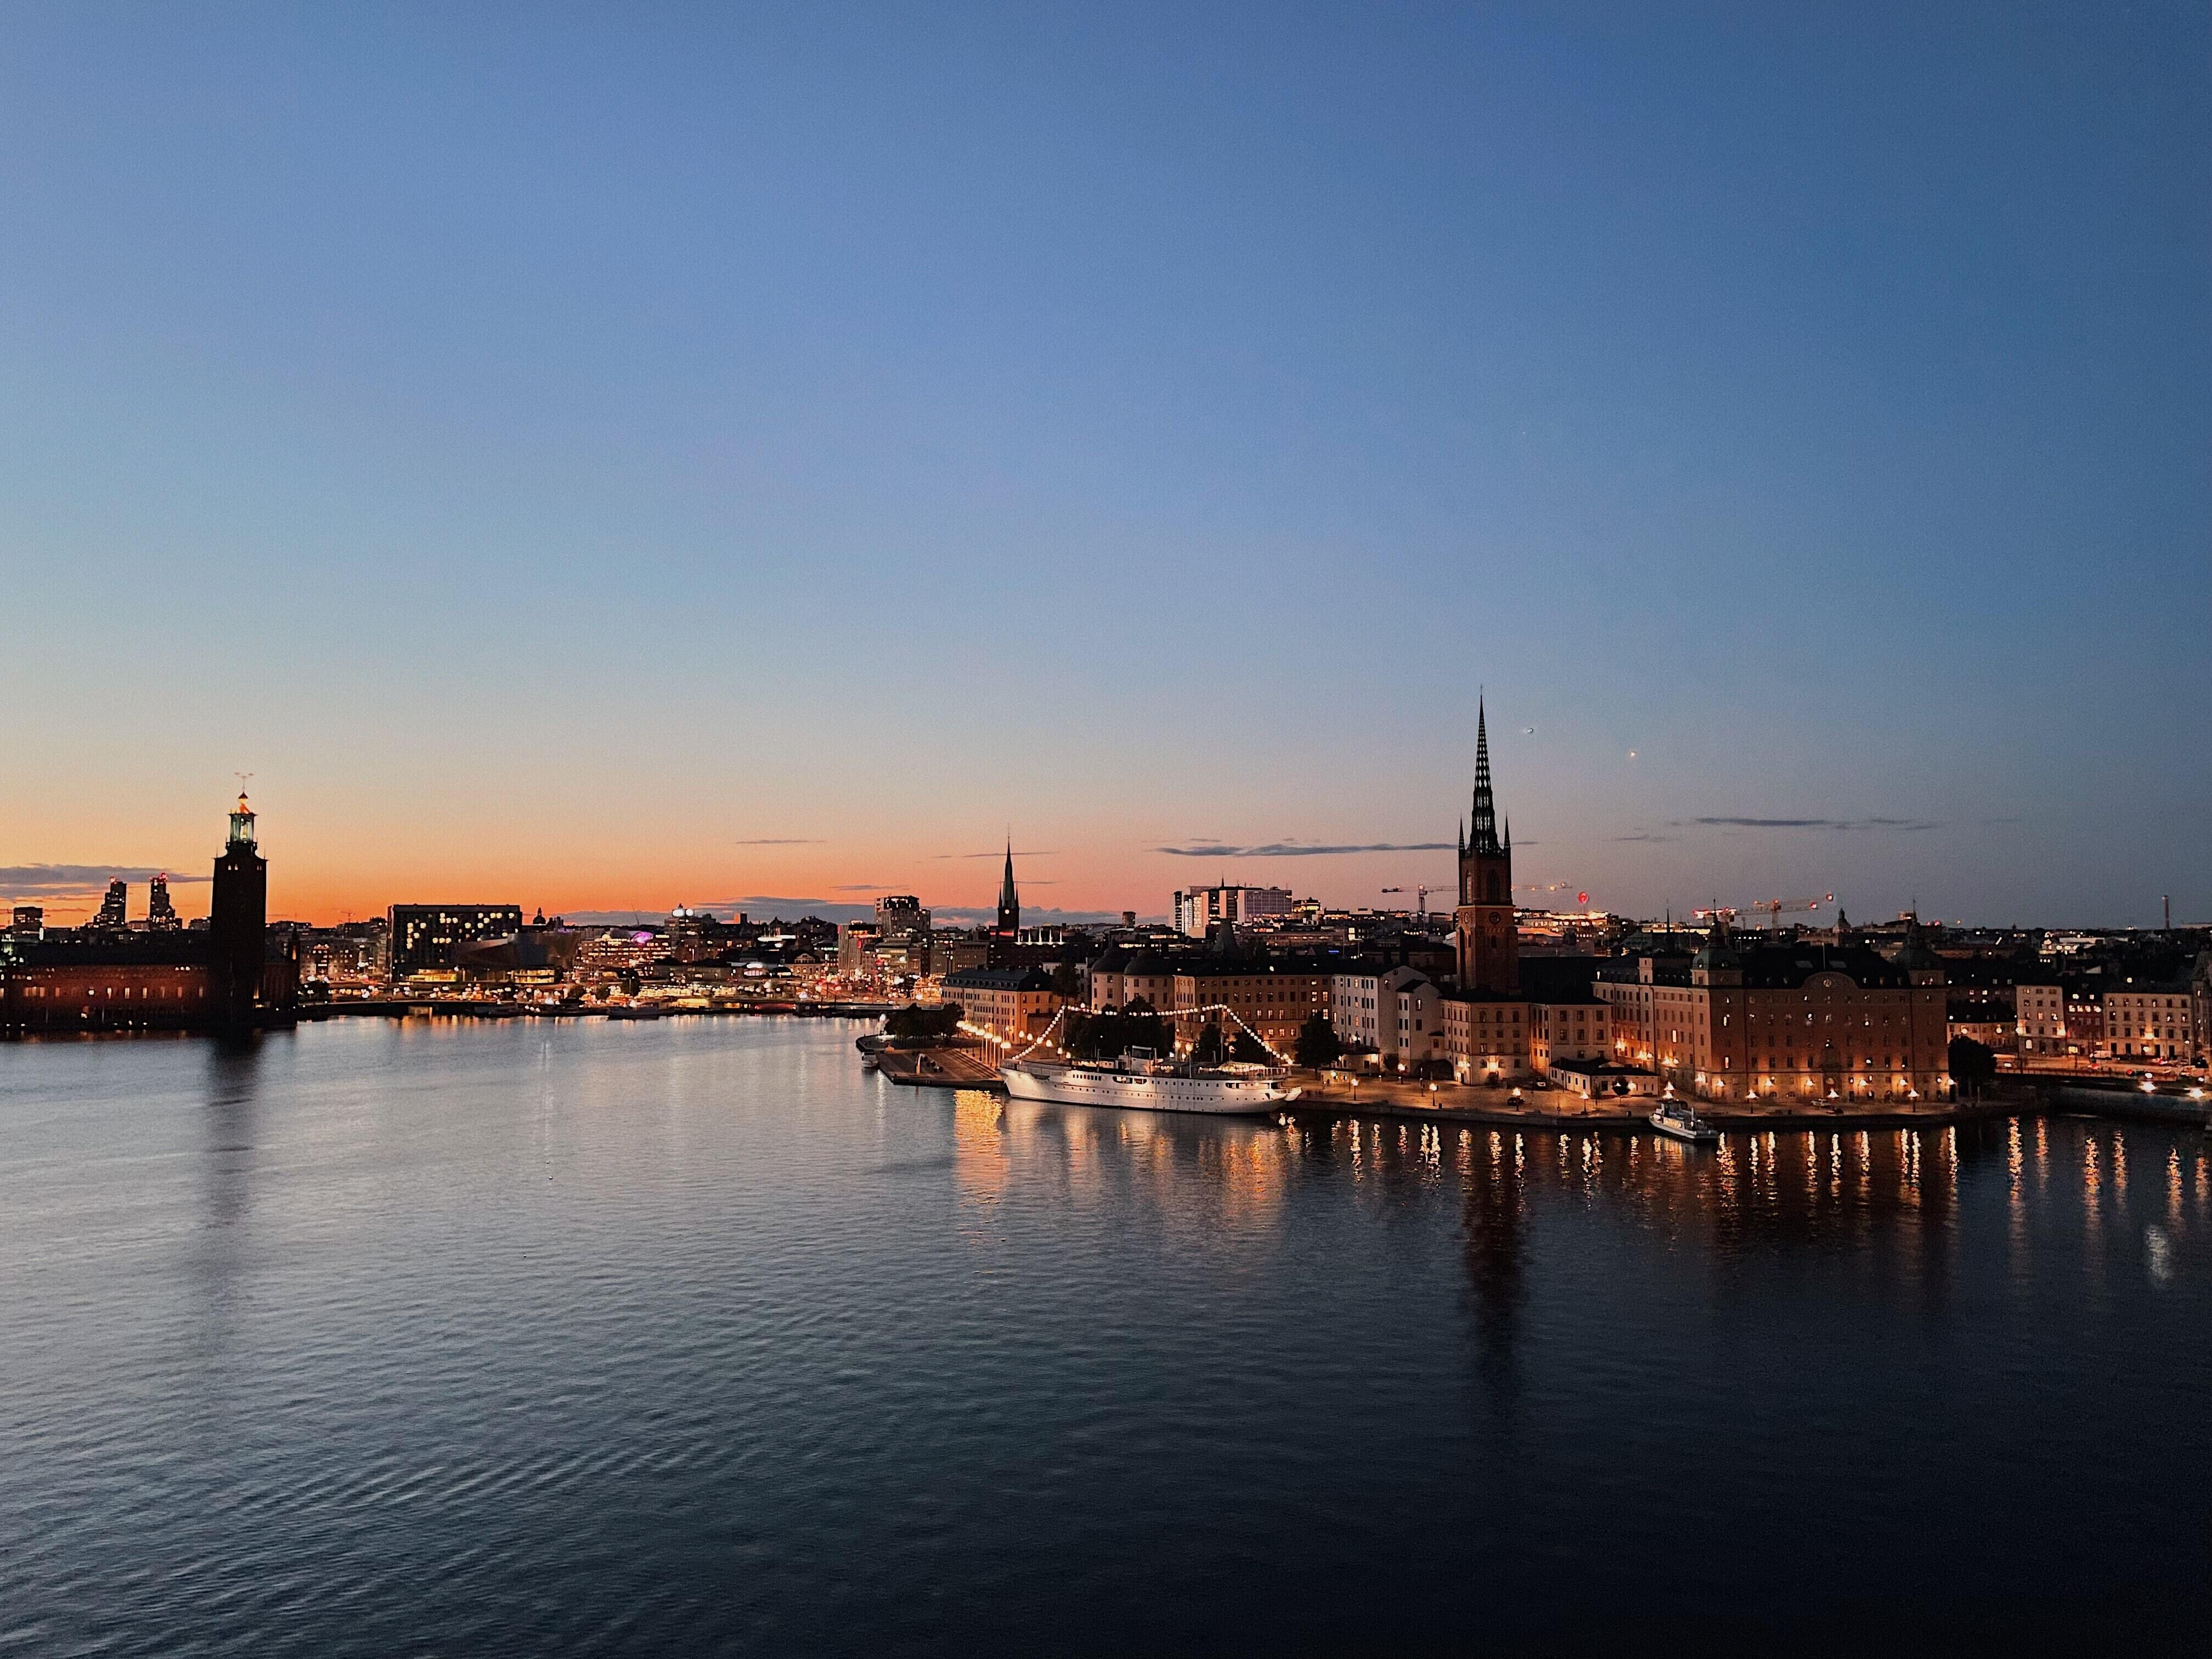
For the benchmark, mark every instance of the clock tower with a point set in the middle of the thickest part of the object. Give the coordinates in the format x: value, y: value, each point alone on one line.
x: 1489, y: 946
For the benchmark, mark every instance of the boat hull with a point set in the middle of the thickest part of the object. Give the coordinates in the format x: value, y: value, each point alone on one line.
x: 1070, y: 1086
x: 1704, y: 1135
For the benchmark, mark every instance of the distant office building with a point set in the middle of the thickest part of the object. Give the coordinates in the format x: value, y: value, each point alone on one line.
x: 424, y: 936
x: 111, y: 915
x: 29, y: 922
x: 1197, y: 909
x: 161, y: 916
x: 899, y: 920
x: 856, y: 947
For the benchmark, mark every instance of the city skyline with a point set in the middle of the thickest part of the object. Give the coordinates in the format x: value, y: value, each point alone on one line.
x: 614, y: 462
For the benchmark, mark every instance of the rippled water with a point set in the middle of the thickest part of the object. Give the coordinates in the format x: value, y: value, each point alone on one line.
x: 452, y: 1337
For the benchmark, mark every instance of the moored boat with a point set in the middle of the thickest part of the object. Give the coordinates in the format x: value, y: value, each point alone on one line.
x: 1680, y: 1120
x: 1140, y: 1083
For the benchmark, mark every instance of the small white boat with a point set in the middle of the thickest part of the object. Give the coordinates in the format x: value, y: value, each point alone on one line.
x: 1679, y: 1119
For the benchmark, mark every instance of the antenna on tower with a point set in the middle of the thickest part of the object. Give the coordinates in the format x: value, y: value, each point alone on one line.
x: 244, y: 778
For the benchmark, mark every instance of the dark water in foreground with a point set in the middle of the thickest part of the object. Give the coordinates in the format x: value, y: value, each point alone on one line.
x: 691, y: 1336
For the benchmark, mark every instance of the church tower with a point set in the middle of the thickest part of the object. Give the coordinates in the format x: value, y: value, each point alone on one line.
x: 1010, y: 903
x: 1489, y: 946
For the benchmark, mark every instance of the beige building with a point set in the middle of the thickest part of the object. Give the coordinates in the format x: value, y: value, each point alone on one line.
x: 1786, y: 1019
x: 1272, y: 998
x: 2148, y: 1022
x: 1013, y: 1005
x: 1562, y: 1031
x: 1396, y: 1011
x: 2039, y: 1019
x: 1486, y: 1038
x: 1120, y: 977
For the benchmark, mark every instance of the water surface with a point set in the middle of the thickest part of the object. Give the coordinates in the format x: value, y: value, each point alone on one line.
x: 473, y: 1337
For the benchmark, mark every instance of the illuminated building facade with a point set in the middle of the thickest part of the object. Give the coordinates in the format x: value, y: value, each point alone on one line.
x: 2038, y: 1019
x: 161, y: 916
x: 1011, y: 1004
x: 1487, y: 1038
x: 1120, y: 977
x: 113, y: 915
x: 424, y: 936
x: 1788, y: 1020
x: 1273, y: 999
x: 1197, y: 908
x: 2148, y: 1022
x: 1396, y: 1011
x: 1560, y: 1032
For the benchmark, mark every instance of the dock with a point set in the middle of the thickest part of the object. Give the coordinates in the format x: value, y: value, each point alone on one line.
x: 941, y: 1068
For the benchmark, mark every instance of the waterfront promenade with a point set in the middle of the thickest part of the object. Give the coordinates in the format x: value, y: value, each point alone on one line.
x: 1535, y: 1107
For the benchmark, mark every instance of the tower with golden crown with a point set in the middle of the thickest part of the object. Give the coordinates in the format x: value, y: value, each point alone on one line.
x: 237, y: 920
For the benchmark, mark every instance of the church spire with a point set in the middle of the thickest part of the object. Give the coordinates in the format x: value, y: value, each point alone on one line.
x: 1010, y: 903
x: 1484, y: 838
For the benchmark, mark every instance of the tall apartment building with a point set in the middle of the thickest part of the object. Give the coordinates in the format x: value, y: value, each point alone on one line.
x: 1197, y: 908
x: 112, y: 916
x: 424, y: 936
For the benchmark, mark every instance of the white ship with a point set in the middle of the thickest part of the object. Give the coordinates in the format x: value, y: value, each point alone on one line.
x: 1151, y: 1086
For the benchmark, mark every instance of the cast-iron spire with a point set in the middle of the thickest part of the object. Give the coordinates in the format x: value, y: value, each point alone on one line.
x: 1484, y: 837
x: 1010, y: 904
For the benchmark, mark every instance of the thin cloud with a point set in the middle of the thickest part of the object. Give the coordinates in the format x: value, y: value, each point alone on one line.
x: 1643, y: 836
x: 33, y: 881
x: 999, y: 853
x: 1299, y: 849
x: 862, y: 887
x: 781, y: 840
x: 1808, y: 824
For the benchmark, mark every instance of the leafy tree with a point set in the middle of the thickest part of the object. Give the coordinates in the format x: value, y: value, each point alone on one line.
x: 1210, y: 1049
x: 1110, y: 1033
x: 1142, y: 1028
x: 1067, y: 982
x: 1250, y: 1050
x: 1973, y: 1064
x: 629, y: 982
x: 1318, y: 1044
x: 915, y: 1023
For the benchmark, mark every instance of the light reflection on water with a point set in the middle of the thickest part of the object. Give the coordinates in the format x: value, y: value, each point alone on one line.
x: 676, y: 1335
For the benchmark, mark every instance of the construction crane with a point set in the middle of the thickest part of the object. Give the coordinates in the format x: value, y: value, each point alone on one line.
x: 1421, y: 895
x: 1773, y: 909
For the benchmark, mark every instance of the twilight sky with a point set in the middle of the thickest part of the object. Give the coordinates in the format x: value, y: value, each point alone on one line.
x: 605, y: 457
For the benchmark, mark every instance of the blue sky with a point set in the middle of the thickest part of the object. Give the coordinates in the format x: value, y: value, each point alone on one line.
x: 729, y: 450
